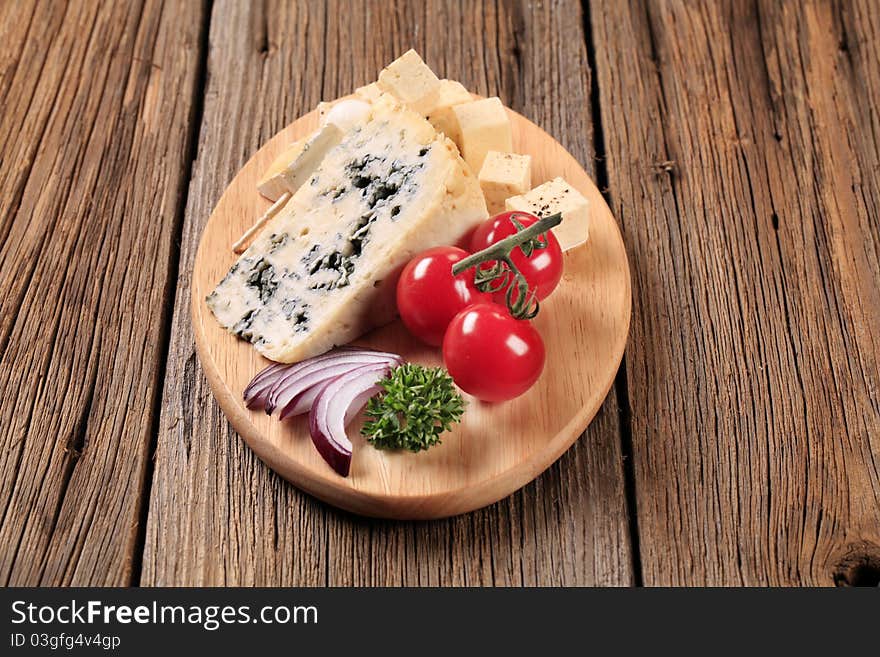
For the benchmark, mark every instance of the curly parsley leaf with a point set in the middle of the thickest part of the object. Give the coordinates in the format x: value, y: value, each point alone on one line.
x: 418, y: 404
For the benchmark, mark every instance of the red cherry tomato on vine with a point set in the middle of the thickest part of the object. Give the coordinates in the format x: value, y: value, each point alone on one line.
x: 542, y: 270
x: 490, y: 354
x: 429, y: 296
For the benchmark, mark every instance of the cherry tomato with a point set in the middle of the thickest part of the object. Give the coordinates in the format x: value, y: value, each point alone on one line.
x: 490, y: 354
x: 429, y: 296
x: 542, y: 270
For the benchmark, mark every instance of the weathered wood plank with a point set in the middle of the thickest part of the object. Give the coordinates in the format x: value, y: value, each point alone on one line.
x: 97, y: 101
x: 742, y: 148
x: 218, y: 515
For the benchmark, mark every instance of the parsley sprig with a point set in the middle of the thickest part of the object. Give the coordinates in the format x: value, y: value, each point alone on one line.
x: 418, y: 404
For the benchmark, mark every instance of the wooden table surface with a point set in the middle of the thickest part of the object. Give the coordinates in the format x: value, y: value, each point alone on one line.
x: 739, y: 144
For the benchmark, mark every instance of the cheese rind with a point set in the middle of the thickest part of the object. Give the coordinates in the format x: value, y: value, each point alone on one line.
x: 272, y: 185
x: 324, y: 271
x: 293, y: 167
x: 558, y: 196
x: 504, y: 175
x: 411, y: 81
x: 484, y: 126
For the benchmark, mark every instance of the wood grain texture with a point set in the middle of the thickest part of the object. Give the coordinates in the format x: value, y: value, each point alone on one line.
x: 496, y: 448
x: 742, y: 147
x: 218, y: 515
x: 96, y: 104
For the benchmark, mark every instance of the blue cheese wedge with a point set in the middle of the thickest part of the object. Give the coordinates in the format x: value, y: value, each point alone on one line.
x: 324, y: 270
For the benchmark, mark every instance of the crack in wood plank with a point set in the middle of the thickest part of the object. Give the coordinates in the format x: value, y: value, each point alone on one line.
x: 756, y: 281
x: 620, y: 384
x: 191, y: 149
x: 80, y: 277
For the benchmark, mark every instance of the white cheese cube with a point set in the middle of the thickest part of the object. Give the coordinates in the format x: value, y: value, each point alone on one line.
x: 368, y: 93
x: 441, y: 116
x: 450, y: 92
x: 410, y: 80
x: 437, y: 108
x: 484, y: 127
x: 558, y: 196
x: 504, y: 175
x: 294, y: 166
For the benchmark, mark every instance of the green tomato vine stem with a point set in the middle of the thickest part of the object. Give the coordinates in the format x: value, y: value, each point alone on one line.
x: 523, y: 304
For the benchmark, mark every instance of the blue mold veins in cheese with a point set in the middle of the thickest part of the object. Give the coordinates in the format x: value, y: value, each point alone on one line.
x: 324, y: 270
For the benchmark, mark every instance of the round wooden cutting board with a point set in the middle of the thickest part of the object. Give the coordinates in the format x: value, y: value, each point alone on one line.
x: 497, y: 448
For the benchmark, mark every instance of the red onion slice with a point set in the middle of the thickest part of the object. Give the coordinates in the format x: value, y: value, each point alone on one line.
x: 328, y: 415
x: 264, y: 393
x: 302, y: 403
x: 360, y: 401
x: 310, y: 387
x: 257, y: 390
x: 294, y: 395
x: 295, y: 368
x: 332, y: 387
x: 352, y: 356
